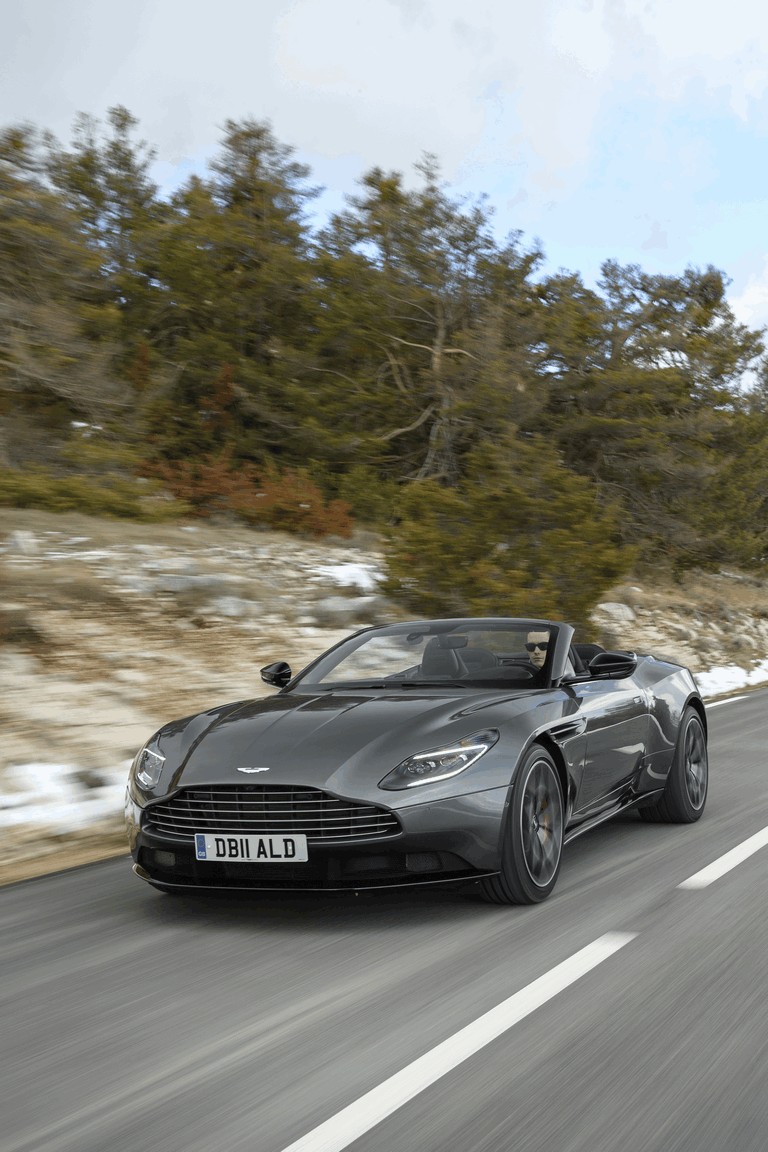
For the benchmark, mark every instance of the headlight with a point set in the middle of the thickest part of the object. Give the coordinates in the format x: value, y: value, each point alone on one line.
x: 441, y: 763
x: 147, y: 768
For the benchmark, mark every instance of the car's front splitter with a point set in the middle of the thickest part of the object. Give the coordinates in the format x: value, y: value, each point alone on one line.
x: 447, y: 840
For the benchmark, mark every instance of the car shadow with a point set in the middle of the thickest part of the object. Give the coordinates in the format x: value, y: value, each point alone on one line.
x: 280, y: 911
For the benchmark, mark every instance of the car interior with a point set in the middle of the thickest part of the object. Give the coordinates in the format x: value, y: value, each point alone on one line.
x: 475, y: 663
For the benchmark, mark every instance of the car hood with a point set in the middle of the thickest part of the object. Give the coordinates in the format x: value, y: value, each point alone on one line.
x: 343, y: 741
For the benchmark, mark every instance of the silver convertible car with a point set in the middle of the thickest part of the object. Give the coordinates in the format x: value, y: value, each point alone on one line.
x: 466, y: 750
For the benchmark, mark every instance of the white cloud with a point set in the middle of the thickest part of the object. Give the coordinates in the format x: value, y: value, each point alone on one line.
x: 722, y: 49
x: 657, y: 238
x: 750, y: 305
x: 518, y: 99
x: 383, y: 79
x: 579, y: 32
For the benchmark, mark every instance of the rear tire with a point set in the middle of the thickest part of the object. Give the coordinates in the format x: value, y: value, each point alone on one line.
x: 685, y: 794
x: 533, y: 840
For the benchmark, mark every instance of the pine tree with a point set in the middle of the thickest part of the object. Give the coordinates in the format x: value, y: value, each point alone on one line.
x: 53, y: 371
x: 421, y: 339
x: 520, y: 535
x: 642, y: 388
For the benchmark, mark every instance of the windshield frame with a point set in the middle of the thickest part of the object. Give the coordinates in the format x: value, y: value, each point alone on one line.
x: 313, y: 676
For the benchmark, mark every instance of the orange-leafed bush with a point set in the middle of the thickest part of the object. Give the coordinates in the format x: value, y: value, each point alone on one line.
x: 289, y: 500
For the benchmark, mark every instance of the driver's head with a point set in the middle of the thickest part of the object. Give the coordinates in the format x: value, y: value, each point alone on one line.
x: 536, y: 647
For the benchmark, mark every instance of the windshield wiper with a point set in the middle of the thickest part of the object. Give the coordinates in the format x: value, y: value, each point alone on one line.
x: 355, y: 685
x: 365, y: 685
x: 434, y: 684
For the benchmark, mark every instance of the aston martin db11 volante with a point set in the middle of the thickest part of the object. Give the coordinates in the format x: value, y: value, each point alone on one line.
x: 420, y: 752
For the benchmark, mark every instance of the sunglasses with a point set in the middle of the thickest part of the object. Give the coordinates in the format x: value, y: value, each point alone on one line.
x: 542, y: 647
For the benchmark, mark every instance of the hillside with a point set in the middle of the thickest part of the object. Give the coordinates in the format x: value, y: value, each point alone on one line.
x: 109, y: 629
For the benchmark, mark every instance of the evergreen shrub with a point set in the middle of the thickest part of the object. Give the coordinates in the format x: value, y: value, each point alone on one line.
x: 520, y: 535
x: 112, y: 496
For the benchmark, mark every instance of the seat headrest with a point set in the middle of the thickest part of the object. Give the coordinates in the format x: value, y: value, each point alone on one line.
x: 437, y: 661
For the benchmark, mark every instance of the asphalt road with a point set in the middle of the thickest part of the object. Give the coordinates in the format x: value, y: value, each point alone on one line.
x: 133, y: 1020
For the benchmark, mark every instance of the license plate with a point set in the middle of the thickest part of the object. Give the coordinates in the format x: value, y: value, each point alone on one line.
x: 254, y: 849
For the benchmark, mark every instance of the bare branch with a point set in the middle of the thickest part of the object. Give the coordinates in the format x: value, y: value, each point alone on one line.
x: 425, y: 415
x: 411, y: 304
x: 333, y: 372
x: 427, y: 348
x: 395, y: 367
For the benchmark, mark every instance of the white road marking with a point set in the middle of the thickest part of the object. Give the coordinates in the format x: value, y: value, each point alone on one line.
x: 717, y: 703
x: 376, y: 1105
x: 725, y: 863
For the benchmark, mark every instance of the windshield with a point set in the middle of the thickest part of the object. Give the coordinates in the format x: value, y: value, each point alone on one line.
x: 481, y: 653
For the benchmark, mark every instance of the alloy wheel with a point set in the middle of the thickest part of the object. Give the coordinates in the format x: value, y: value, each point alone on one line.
x: 695, y: 764
x: 541, y: 823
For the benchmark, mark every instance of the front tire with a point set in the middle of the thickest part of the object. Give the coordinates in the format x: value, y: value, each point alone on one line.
x: 533, y: 839
x: 685, y: 794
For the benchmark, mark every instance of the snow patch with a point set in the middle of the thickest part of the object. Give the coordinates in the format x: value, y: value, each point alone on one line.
x: 351, y: 575
x: 57, y: 798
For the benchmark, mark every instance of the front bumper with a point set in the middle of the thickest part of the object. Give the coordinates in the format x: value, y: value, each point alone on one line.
x: 445, y: 840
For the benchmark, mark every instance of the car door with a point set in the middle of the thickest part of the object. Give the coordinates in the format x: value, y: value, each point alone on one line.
x: 617, y: 726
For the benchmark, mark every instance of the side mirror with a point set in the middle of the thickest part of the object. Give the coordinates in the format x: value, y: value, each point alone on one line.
x: 612, y: 665
x: 277, y: 675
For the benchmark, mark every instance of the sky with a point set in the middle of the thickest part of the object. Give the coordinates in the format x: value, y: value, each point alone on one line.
x: 632, y: 130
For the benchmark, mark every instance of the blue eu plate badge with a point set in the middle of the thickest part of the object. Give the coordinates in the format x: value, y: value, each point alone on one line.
x: 200, y: 846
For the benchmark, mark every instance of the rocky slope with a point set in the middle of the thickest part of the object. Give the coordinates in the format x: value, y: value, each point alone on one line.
x: 110, y: 629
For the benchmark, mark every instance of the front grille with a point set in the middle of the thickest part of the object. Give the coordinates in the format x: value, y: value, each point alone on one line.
x: 269, y: 809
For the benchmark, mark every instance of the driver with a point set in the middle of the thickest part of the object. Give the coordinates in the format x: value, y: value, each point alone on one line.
x: 536, y: 646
